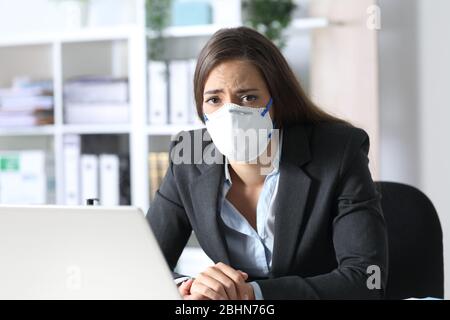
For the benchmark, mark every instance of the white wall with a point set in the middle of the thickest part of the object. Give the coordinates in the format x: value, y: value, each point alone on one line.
x: 434, y: 112
x: 414, y: 75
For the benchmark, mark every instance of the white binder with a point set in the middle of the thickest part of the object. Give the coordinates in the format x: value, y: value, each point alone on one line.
x: 89, y: 177
x: 109, y: 180
x: 157, y: 93
x: 179, y: 92
x: 71, y: 169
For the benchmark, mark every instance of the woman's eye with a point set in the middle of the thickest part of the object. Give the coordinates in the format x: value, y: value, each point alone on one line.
x: 249, y: 98
x: 213, y: 100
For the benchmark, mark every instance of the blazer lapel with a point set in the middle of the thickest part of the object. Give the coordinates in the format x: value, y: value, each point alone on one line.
x: 292, y: 195
x: 205, y: 196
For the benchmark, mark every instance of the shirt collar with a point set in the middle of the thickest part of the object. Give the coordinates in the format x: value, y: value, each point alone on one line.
x: 276, y: 161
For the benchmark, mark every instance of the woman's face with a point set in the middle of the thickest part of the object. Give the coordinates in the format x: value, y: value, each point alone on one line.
x: 235, y: 81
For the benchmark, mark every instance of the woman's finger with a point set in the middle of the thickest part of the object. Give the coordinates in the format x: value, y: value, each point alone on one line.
x: 201, y: 289
x: 227, y: 283
x: 233, y: 274
x: 243, y: 274
x: 212, y: 283
x: 195, y: 296
x: 185, y: 287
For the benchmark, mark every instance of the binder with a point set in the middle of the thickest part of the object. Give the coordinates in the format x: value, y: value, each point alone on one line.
x: 192, y: 109
x: 109, y: 180
x: 157, y: 91
x: 71, y: 150
x: 163, y: 165
x: 89, y: 177
x: 153, y: 173
x: 22, y: 177
x: 179, y: 91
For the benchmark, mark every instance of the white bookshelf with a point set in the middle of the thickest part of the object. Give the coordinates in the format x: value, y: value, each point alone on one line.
x: 54, y: 50
x: 60, y: 55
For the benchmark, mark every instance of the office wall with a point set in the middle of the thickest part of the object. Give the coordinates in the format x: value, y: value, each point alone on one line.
x: 399, y: 95
x: 414, y: 65
x: 344, y: 70
x: 434, y: 112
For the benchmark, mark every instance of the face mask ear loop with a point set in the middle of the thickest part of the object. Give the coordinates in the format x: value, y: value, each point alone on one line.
x: 266, y: 109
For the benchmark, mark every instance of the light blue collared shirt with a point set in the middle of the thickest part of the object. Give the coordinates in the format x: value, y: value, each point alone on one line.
x: 250, y: 250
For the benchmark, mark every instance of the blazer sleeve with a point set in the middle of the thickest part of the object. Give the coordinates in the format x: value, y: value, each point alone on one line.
x: 168, y: 220
x: 359, y: 238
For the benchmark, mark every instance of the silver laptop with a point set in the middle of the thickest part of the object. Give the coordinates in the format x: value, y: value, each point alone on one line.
x: 89, y: 252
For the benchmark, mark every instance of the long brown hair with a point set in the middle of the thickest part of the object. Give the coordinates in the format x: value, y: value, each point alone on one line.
x: 291, y: 104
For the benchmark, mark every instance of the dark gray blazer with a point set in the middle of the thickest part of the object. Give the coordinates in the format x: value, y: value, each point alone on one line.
x: 329, y: 226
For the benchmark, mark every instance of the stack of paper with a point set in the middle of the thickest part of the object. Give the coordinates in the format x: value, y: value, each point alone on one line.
x: 90, y: 100
x: 26, y: 103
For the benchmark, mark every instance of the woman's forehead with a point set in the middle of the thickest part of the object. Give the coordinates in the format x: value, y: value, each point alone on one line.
x: 233, y: 75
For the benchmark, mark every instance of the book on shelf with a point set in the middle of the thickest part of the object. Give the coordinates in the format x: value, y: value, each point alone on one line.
x: 96, y: 100
x: 23, y: 177
x: 27, y: 103
x: 158, y: 163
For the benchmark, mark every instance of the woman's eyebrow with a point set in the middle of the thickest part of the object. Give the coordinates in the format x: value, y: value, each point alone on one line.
x: 240, y: 91
x: 215, y: 91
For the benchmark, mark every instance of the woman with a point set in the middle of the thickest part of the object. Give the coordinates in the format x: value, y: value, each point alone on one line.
x: 290, y: 212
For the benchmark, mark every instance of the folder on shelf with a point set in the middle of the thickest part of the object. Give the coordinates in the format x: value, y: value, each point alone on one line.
x: 72, y: 151
x: 153, y: 173
x: 22, y: 177
x: 109, y: 180
x: 158, y: 163
x: 192, y: 109
x: 157, y: 92
x: 179, y: 91
x: 163, y: 164
x: 89, y: 177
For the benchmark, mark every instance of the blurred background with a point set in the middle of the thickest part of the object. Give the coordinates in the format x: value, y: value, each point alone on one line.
x: 91, y: 91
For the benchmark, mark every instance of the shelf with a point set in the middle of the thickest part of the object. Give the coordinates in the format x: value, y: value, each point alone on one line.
x: 309, y: 23
x: 170, y: 129
x: 28, y: 131
x: 67, y: 129
x: 79, y: 35
x: 188, y: 31
x: 210, y: 29
x: 96, y: 129
x: 124, y: 32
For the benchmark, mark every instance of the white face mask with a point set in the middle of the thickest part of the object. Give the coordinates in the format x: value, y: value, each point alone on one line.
x: 240, y: 133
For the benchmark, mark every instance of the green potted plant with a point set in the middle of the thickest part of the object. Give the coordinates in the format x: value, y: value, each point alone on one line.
x: 157, y: 19
x: 270, y: 17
